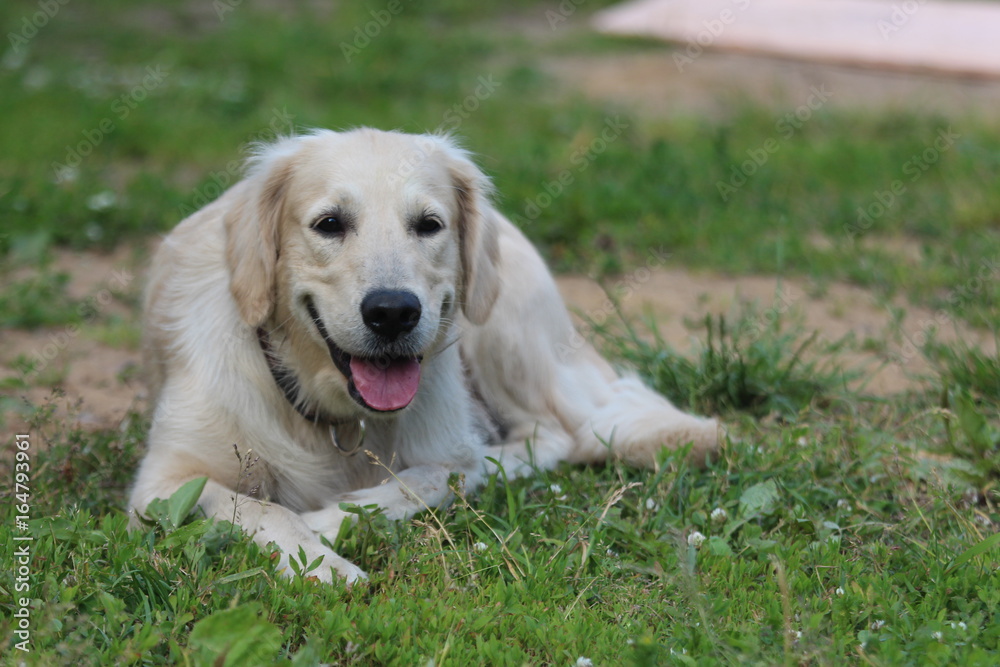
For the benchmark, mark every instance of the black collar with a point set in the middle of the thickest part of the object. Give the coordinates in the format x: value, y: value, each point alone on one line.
x: 288, y: 385
x: 285, y: 379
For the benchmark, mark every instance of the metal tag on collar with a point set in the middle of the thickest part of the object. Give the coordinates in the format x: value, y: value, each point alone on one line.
x: 351, y: 434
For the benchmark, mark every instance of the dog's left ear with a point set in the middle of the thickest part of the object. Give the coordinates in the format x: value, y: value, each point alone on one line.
x: 478, y: 233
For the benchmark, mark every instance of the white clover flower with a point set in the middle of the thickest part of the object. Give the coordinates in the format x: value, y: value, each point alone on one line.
x: 66, y: 174
x: 802, y: 442
x: 612, y: 553
x: 878, y: 624
x: 479, y: 546
x: 555, y: 488
x: 719, y: 515
x: 102, y: 201
x: 938, y: 635
x: 696, y: 539
x: 14, y: 59
x: 839, y: 591
x: 37, y: 77
x: 959, y: 626
x: 651, y: 504
x: 843, y: 504
x: 584, y: 662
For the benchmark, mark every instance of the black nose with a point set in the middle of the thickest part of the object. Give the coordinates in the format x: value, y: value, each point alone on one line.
x: 390, y: 313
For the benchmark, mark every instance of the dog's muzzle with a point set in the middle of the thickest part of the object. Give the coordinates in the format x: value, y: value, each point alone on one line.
x: 383, y: 383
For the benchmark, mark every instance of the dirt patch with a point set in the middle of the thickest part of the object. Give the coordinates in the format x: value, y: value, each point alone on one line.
x: 83, y: 377
x: 98, y: 382
x: 885, y: 351
x: 649, y: 82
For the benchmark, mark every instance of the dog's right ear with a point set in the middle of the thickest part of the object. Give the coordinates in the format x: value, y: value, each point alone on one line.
x: 252, y: 239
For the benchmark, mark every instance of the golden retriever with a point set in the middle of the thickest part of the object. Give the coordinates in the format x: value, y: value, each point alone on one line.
x: 357, y: 292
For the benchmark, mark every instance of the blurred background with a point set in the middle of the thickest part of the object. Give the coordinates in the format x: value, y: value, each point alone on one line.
x: 116, y: 115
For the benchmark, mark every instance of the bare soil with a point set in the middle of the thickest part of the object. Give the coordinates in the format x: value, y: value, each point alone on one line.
x: 649, y: 82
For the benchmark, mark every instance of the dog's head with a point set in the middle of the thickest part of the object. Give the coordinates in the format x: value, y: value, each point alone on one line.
x: 365, y: 243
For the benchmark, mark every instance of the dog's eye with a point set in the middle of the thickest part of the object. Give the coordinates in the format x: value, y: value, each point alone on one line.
x: 329, y: 225
x: 428, y: 225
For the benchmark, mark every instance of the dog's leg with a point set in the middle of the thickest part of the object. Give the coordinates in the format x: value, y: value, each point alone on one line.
x: 525, y: 452
x: 633, y: 423
x: 401, y: 496
x: 265, y: 522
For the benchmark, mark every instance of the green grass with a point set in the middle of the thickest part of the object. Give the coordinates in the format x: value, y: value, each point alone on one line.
x: 36, y: 301
x: 831, y: 525
x: 838, y: 528
x: 968, y: 366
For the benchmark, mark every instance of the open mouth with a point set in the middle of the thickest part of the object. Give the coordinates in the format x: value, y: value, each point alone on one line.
x: 382, y: 384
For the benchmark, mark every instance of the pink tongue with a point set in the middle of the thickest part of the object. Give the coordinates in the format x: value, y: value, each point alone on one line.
x: 386, y: 385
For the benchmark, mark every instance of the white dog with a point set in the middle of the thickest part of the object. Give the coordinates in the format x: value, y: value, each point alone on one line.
x: 357, y: 292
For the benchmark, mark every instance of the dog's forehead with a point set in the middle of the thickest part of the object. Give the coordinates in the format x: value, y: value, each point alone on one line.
x: 385, y: 156
x: 371, y: 164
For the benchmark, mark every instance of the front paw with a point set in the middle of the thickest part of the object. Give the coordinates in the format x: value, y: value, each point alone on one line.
x: 326, y: 522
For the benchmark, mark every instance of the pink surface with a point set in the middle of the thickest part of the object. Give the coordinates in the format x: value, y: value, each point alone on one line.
x: 953, y: 37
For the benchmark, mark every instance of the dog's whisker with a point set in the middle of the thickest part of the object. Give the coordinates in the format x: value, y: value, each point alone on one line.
x: 444, y: 347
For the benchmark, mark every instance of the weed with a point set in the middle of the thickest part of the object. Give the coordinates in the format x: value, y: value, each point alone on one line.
x: 971, y: 368
x: 973, y: 437
x: 752, y: 365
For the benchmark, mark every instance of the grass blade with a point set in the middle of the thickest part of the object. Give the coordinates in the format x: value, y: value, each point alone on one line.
x: 977, y: 550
